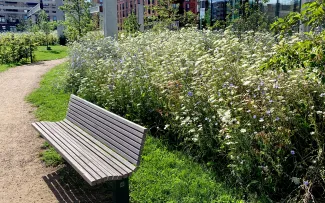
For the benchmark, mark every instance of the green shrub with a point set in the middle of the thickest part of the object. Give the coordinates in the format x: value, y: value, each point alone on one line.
x: 20, y: 47
x: 206, y: 94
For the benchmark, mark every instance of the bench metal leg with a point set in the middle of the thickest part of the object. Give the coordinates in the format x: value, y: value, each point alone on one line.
x: 121, y: 191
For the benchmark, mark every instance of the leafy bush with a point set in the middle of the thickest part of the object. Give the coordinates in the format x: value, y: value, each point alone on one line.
x: 206, y: 94
x: 20, y: 47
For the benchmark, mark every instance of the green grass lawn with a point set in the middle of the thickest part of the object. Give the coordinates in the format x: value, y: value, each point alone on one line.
x: 57, y: 52
x: 163, y: 175
x: 42, y: 54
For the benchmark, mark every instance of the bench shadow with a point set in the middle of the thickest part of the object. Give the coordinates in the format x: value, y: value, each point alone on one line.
x: 68, y: 186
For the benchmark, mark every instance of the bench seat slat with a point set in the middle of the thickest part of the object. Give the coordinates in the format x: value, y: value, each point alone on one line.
x: 96, y: 123
x: 110, y: 174
x: 68, y: 157
x: 82, y: 157
x: 99, y: 135
x: 101, y: 146
x: 109, y: 161
x: 120, y: 133
x: 112, y: 115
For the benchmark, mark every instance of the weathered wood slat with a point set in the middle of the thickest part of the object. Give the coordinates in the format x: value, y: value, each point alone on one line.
x: 107, y: 132
x: 113, y: 141
x: 48, y: 136
x: 101, y: 146
x: 98, y: 135
x: 102, y: 166
x: 112, y: 115
x: 112, y: 164
x: 118, y: 126
x: 117, y: 131
x: 83, y: 160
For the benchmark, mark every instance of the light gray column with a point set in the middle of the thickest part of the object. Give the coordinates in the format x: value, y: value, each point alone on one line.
x: 33, y: 17
x: 140, y: 15
x: 59, y: 17
x: 110, y: 18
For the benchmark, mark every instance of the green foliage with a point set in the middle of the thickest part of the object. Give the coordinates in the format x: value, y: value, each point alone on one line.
x: 312, y: 15
x: 78, y: 20
x: 41, y: 54
x: 130, y: 24
x: 165, y: 17
x: 45, y: 25
x: 206, y: 94
x: 20, y: 47
x: 295, y: 52
x: 166, y: 176
x: 17, y: 48
x: 189, y: 19
x: 247, y: 17
x: 51, y: 157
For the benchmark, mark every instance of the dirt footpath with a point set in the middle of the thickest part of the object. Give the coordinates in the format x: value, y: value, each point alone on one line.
x: 21, y: 170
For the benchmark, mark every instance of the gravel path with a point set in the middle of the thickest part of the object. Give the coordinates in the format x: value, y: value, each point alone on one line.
x: 21, y: 170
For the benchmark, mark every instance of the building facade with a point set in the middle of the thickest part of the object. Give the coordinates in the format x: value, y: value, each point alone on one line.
x: 273, y: 8
x: 12, y: 12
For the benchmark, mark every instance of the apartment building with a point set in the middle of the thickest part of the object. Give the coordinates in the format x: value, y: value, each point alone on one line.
x: 12, y: 12
x: 126, y: 7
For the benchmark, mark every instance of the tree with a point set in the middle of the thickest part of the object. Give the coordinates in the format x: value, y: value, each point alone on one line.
x: 45, y: 25
x: 131, y: 24
x: 312, y: 15
x: 78, y: 18
x: 167, y: 12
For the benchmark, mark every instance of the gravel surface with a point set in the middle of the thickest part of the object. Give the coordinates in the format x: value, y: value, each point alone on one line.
x: 21, y: 171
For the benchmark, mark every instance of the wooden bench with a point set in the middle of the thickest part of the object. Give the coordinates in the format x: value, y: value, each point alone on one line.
x: 99, y: 145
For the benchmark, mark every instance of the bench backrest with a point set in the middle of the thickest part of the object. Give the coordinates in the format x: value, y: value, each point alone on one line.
x: 123, y: 136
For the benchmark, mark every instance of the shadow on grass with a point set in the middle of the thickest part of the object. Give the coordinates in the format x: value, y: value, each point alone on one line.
x: 68, y: 186
x: 51, y: 51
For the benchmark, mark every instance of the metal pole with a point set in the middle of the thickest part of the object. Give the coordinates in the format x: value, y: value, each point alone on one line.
x: 211, y: 13
x: 110, y: 18
x: 141, y: 15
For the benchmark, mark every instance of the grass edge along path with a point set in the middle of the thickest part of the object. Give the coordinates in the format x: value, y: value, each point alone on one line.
x: 163, y: 176
x: 41, y: 54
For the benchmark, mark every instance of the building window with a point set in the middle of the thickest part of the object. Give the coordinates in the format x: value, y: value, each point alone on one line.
x: 54, y: 18
x: 2, y: 19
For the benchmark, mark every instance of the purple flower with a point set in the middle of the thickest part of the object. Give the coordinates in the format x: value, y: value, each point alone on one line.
x: 271, y: 101
x: 190, y: 93
x: 254, y: 95
x: 254, y: 116
x: 292, y: 152
x: 277, y: 118
x: 262, y: 83
x: 231, y: 85
x: 268, y: 112
x: 306, y: 183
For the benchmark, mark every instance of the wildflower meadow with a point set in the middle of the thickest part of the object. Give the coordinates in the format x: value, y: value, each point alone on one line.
x: 209, y: 94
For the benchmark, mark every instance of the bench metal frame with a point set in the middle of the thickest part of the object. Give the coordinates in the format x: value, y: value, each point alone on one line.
x: 99, y: 145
